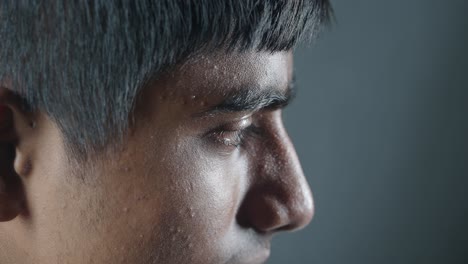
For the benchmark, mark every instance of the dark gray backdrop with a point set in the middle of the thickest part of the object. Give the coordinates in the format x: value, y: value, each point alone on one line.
x: 380, y: 124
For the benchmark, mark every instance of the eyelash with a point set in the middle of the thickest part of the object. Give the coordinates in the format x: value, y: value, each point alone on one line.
x: 234, y: 138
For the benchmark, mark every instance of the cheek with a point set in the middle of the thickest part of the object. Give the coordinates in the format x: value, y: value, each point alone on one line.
x: 177, y: 209
x: 202, y: 198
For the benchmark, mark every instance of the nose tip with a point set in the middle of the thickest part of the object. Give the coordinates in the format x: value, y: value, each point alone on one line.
x: 301, y: 209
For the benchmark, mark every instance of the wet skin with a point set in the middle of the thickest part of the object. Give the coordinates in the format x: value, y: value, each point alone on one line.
x: 207, y: 174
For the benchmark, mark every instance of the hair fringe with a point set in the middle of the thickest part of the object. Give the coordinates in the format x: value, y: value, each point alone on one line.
x: 84, y: 62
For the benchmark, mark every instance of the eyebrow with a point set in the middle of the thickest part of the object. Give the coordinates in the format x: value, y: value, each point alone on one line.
x: 248, y: 99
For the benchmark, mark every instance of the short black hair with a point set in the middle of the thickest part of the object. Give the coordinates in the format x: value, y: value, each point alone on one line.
x: 84, y: 62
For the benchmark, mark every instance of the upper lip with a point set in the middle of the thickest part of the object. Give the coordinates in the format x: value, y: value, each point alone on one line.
x: 259, y: 257
x: 254, y: 250
x: 255, y: 255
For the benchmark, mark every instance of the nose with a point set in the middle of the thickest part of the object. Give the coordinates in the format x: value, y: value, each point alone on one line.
x: 278, y: 196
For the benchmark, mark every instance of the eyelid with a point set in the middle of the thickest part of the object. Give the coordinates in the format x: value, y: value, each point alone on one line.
x: 231, y: 134
x: 239, y: 124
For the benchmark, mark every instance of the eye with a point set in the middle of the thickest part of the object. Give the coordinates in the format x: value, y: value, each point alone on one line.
x: 234, y: 134
x: 229, y: 138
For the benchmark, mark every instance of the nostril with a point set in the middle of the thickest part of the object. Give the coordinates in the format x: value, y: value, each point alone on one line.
x: 268, y: 211
x: 263, y: 213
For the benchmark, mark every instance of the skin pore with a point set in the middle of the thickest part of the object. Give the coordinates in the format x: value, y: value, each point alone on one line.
x: 207, y: 174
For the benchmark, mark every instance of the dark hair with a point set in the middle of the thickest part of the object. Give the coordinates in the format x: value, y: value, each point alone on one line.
x: 84, y: 62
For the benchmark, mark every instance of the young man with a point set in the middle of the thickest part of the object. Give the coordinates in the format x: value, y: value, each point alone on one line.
x: 149, y: 131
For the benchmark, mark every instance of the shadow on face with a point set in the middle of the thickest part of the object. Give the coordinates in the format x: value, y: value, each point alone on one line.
x: 207, y: 175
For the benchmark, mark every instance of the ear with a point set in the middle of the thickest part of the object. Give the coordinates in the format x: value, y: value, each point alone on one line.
x: 13, y: 120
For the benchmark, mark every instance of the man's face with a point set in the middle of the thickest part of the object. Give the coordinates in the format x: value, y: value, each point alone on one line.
x: 207, y: 175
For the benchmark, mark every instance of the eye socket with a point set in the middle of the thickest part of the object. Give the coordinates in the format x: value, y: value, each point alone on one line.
x: 229, y: 138
x: 233, y: 135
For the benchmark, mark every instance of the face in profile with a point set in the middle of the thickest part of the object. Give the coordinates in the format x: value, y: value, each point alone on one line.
x: 206, y: 175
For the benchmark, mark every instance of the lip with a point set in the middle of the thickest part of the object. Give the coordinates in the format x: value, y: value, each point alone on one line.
x: 258, y: 257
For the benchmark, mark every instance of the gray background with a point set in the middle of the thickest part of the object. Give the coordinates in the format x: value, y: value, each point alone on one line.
x: 380, y: 124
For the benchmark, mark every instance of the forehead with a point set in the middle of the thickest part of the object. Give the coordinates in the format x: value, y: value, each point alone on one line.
x: 219, y: 73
